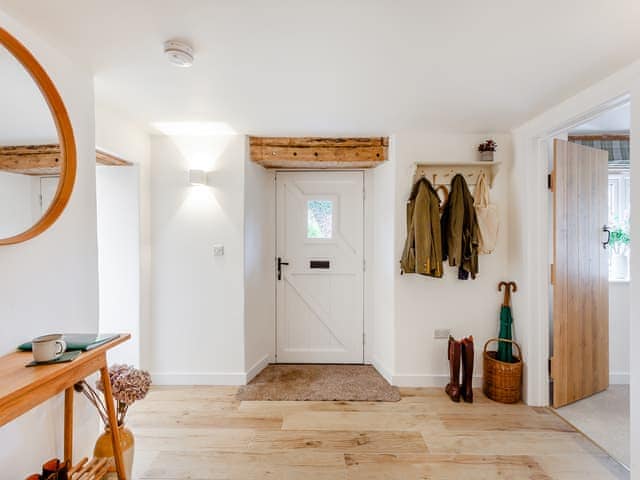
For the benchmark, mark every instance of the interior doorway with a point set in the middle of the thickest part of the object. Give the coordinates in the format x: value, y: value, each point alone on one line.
x: 590, y: 366
x: 320, y: 267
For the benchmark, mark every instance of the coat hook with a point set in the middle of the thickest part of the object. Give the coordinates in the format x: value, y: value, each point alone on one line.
x: 445, y: 196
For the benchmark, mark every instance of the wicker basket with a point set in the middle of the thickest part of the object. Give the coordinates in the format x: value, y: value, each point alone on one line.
x: 502, y: 381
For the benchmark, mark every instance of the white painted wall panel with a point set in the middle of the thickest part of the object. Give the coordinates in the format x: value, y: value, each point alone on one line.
x: 423, y: 304
x: 119, y: 257
x: 619, y: 331
x: 197, y: 321
x: 259, y: 261
x: 123, y: 199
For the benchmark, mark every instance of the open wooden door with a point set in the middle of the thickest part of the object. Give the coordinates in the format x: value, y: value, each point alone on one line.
x: 580, y: 362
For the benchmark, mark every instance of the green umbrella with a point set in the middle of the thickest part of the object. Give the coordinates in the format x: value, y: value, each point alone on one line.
x: 505, y: 350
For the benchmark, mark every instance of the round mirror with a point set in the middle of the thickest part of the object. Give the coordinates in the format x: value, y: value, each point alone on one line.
x: 37, y: 150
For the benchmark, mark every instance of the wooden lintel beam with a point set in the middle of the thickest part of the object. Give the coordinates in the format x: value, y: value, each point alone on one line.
x: 600, y: 137
x: 31, y: 159
x: 314, y: 152
x: 105, y: 158
x: 44, y: 159
x: 319, y: 141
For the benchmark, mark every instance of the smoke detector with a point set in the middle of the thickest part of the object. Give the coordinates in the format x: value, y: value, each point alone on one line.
x: 179, y: 53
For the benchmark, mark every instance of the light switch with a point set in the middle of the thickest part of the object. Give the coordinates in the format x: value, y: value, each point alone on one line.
x: 218, y: 250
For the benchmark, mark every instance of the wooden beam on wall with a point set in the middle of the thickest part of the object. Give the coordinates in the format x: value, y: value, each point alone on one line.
x: 31, y: 159
x: 599, y: 137
x: 316, y: 152
x: 44, y: 159
x: 104, y: 158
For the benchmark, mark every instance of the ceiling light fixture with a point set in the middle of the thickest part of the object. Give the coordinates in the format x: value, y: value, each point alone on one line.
x: 178, y: 53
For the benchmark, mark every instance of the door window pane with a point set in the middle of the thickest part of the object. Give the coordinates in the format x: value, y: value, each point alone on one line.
x: 620, y: 245
x: 319, y: 218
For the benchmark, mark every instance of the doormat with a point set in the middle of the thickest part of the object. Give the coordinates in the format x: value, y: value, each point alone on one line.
x: 319, y: 383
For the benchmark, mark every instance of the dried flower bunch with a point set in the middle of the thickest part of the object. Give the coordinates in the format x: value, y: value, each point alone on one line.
x: 488, y: 146
x: 128, y: 385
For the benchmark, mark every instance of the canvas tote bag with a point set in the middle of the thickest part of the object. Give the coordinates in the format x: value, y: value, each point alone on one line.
x: 487, y: 215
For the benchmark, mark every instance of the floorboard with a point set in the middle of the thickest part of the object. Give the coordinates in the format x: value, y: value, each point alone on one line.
x: 205, y: 433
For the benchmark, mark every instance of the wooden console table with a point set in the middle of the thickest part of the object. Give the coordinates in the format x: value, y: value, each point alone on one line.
x: 22, y: 388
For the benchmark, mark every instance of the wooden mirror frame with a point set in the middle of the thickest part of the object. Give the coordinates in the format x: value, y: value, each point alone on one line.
x: 65, y: 136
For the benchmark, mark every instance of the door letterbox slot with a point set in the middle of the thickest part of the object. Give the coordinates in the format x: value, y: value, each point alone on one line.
x: 319, y: 264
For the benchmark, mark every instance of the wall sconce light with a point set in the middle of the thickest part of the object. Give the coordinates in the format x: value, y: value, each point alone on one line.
x: 197, y: 177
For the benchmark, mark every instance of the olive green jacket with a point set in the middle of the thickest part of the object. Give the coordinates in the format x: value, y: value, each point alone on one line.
x: 460, y: 233
x: 423, y: 248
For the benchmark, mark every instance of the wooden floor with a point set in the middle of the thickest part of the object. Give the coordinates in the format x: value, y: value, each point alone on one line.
x: 204, y: 433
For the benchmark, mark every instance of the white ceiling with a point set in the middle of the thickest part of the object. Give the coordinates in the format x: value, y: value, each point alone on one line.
x: 338, y: 67
x: 617, y: 120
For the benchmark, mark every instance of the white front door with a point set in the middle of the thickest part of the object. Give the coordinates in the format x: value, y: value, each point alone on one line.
x: 320, y: 281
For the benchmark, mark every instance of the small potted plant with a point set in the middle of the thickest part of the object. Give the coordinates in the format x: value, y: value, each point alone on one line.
x: 128, y: 385
x: 619, y: 243
x: 487, y: 150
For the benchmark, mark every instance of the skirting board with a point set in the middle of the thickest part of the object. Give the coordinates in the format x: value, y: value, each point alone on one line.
x: 619, y: 378
x: 416, y: 380
x: 427, y: 380
x: 423, y: 380
x: 212, y: 378
x: 257, y: 368
x: 205, y: 378
x: 386, y: 374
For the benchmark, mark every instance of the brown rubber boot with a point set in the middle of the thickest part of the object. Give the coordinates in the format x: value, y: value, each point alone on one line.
x: 454, y: 352
x: 466, y: 389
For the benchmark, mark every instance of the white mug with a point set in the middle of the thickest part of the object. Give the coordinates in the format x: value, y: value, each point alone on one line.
x: 48, y: 347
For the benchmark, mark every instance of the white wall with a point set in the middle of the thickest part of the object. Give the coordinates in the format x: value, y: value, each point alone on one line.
x: 123, y: 199
x: 259, y: 261
x: 119, y: 257
x: 634, y: 336
x: 619, y: 331
x: 423, y: 304
x: 15, y: 203
x: 383, y: 265
x: 197, y: 324
x: 50, y: 283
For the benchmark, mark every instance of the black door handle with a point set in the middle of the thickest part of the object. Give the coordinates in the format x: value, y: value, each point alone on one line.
x: 280, y: 263
x: 605, y: 244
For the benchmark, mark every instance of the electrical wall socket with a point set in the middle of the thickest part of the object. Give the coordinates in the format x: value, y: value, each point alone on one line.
x: 441, y: 333
x: 218, y: 250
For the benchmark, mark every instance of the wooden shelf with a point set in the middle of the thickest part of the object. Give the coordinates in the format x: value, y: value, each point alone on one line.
x: 441, y: 173
x: 86, y: 469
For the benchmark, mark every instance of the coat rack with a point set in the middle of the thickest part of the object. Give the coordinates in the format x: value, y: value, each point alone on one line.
x: 441, y: 173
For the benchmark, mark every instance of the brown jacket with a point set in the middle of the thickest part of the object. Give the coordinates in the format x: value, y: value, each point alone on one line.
x: 460, y: 234
x: 423, y: 248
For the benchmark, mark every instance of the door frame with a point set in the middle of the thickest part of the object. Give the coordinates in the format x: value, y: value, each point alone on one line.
x: 530, y: 175
x: 367, y: 281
